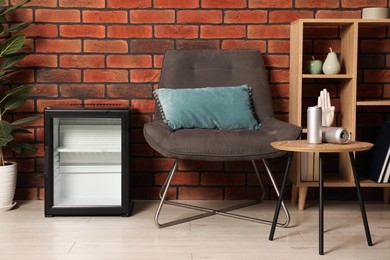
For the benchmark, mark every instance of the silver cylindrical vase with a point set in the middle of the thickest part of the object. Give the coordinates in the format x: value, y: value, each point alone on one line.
x: 314, y: 121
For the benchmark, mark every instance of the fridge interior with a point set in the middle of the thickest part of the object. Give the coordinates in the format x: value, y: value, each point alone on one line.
x: 87, y: 162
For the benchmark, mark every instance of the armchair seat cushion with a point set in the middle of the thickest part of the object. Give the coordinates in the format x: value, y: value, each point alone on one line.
x: 220, y: 145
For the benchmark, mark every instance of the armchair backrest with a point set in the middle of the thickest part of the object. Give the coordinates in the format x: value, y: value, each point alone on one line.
x: 215, y: 68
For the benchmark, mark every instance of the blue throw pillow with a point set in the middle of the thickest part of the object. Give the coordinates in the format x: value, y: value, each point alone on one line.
x: 224, y: 108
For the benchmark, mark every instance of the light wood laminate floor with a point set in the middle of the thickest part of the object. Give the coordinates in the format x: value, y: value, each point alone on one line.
x: 26, y: 234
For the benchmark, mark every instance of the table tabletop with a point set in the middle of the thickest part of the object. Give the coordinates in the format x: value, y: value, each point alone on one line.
x: 304, y: 146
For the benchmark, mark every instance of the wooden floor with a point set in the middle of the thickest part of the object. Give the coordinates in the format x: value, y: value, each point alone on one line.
x: 26, y: 234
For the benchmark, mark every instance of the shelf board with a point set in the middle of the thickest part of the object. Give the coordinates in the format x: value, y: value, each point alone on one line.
x: 336, y: 22
x: 327, y: 76
x: 88, y: 149
x: 373, y: 103
x: 107, y: 168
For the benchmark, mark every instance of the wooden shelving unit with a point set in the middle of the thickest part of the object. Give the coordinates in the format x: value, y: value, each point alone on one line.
x: 347, y: 88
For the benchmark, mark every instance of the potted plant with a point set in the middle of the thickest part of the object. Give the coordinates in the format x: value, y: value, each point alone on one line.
x: 10, y: 54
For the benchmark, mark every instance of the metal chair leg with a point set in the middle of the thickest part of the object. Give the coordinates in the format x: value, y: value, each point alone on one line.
x: 208, y: 211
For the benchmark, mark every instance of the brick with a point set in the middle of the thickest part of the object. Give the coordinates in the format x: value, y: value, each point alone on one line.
x: 278, y: 46
x: 222, y: 31
x: 157, y: 61
x: 82, y: 61
x: 22, y: 76
x: 27, y: 106
x: 276, y: 61
x: 319, y: 32
x: 129, y: 91
x: 25, y: 165
x: 176, y: 4
x: 369, y: 91
x: 20, y: 15
x: 140, y: 76
x: 322, y: 46
x: 82, y: 90
x: 270, y: 4
x: 200, y: 193
x: 199, y: 16
x: 140, y: 121
x: 106, y: 46
x: 57, y: 45
x: 317, y: 3
x: 386, y: 91
x: 375, y: 46
x: 26, y: 193
x: 288, y: 16
x: 181, y: 178
x: 279, y: 90
x: 46, y: 90
x: 58, y: 75
x: 280, y: 105
x: 152, y: 164
x: 106, y: 75
x: 377, y: 75
x: 372, y: 61
x: 151, y: 46
x: 372, y: 32
x: 41, y: 30
x: 337, y: 14
x: 143, y: 106
x: 105, y: 17
x: 244, y: 44
x: 363, y: 3
x: 223, y: 4
x: 43, y: 3
x: 50, y: 15
x: 191, y: 165
x: 90, y: 31
x: 176, y: 31
x: 129, y: 3
x: 268, y: 32
x: 152, y: 16
x: 118, y: 31
x: 39, y: 60
x: 245, y: 16
x: 43, y: 103
x: 197, y: 44
x: 141, y: 149
x: 129, y: 61
x: 218, y: 179
x: 82, y: 3
x: 279, y: 76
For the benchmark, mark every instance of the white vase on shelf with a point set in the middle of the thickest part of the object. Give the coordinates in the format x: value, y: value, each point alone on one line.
x: 331, y: 64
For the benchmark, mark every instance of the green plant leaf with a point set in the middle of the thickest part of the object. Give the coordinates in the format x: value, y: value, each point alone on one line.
x: 5, y: 133
x: 1, y: 28
x: 20, y: 130
x: 17, y: 27
x: 15, y: 7
x: 2, y: 2
x: 26, y: 120
x: 23, y: 147
x: 11, y: 61
x: 14, y: 103
x: 12, y: 45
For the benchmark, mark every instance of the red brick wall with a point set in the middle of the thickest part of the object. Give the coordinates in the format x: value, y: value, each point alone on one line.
x: 86, y: 51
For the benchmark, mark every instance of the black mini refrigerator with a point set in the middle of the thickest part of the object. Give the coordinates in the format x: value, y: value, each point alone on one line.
x: 87, y: 161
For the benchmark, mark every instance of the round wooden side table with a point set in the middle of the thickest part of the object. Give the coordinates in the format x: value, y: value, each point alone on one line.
x: 303, y: 146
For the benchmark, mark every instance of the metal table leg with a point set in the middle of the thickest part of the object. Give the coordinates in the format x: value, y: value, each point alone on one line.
x: 321, y: 209
x: 277, y: 209
x: 359, y: 194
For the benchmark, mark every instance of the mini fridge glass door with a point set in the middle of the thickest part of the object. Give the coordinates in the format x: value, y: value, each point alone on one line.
x: 87, y: 162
